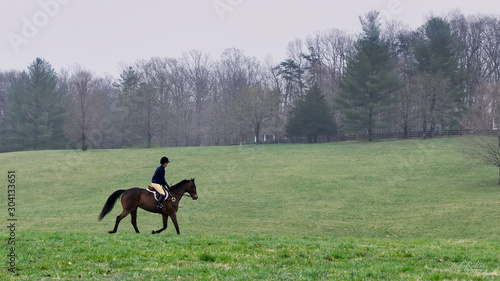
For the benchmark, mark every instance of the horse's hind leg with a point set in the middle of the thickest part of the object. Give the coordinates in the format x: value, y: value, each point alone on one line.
x: 130, y: 200
x: 165, y: 220
x: 133, y: 214
x: 118, y: 219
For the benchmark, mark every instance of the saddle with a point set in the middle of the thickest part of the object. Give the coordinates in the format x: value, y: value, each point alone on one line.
x: 156, y: 194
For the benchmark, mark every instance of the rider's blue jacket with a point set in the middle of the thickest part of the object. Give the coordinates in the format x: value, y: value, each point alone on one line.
x: 159, y: 176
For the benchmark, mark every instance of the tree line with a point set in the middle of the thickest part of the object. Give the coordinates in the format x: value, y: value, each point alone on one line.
x: 388, y: 78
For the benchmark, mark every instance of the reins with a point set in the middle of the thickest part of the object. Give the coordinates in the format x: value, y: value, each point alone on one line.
x: 174, y: 192
x: 183, y: 194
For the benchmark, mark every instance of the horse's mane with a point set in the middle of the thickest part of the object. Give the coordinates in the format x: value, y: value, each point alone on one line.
x: 177, y: 185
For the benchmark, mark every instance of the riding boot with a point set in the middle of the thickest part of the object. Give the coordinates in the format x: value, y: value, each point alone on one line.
x: 160, y: 201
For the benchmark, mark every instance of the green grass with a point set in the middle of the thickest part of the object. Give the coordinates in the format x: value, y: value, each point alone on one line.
x: 147, y: 257
x: 408, y: 210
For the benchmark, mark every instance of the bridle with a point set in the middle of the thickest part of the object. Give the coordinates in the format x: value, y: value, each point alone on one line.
x: 187, y: 194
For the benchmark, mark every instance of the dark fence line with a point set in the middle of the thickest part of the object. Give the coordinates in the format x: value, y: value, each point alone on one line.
x: 378, y: 136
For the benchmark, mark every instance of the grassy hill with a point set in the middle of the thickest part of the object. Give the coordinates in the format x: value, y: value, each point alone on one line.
x: 414, y: 194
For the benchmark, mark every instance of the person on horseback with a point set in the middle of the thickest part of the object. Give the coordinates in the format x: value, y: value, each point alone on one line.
x: 158, y: 181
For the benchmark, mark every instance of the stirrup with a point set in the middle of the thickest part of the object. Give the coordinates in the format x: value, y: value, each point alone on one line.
x: 161, y: 198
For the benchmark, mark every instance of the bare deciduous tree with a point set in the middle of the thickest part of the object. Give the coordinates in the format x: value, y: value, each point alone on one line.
x: 432, y: 100
x: 83, y: 107
x: 198, y: 71
x: 253, y: 107
x: 484, y: 120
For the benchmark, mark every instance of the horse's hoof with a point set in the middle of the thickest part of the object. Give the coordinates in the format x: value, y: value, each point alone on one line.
x: 153, y: 232
x: 111, y: 232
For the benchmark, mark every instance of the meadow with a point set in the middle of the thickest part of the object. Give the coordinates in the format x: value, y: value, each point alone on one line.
x: 388, y: 210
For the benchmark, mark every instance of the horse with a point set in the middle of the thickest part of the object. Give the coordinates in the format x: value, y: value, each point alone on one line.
x: 136, y: 197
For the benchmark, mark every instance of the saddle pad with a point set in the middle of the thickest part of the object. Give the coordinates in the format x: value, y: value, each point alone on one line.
x: 155, y: 194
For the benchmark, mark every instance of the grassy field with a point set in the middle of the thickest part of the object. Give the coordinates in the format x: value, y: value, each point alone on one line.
x: 408, y: 210
x: 129, y: 256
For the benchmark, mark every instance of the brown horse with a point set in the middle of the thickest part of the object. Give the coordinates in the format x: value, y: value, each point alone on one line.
x: 139, y: 197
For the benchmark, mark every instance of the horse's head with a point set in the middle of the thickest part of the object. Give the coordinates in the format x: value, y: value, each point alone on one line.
x: 192, y: 190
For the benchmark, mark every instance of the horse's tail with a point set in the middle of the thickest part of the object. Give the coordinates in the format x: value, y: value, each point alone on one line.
x: 110, y: 203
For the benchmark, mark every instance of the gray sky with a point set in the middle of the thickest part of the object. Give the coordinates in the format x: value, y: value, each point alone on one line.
x: 102, y: 34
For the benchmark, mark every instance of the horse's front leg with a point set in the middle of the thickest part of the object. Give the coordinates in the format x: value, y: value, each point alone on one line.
x: 165, y: 220
x: 173, y: 216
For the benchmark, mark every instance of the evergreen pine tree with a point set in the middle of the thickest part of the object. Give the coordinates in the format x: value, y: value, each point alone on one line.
x: 437, y: 53
x: 311, y: 117
x: 137, y: 103
x: 369, y: 80
x: 35, y: 113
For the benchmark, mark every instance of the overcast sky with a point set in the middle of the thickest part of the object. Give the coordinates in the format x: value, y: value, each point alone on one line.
x: 101, y: 35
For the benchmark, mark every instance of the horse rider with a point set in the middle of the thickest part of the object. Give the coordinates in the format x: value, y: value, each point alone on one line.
x: 158, y: 181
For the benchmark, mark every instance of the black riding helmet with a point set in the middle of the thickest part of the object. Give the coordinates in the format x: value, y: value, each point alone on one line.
x: 164, y: 160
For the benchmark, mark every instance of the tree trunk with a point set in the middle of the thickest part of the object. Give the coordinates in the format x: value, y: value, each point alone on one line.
x: 257, y: 132
x: 498, y: 175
